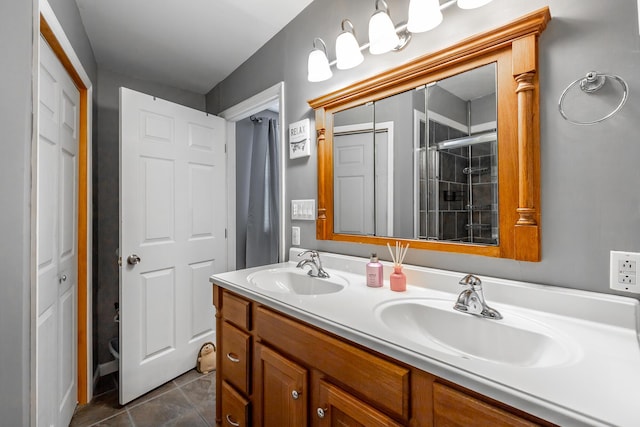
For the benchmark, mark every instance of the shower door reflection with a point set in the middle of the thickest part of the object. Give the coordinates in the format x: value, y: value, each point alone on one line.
x: 456, y: 162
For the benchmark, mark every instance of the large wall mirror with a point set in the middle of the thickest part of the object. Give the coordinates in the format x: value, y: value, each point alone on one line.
x: 442, y: 152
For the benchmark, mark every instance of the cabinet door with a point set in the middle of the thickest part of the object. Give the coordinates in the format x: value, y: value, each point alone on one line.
x: 283, y: 390
x: 339, y: 408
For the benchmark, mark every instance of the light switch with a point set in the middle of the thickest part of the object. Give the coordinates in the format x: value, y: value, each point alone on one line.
x: 304, y: 210
x: 295, y: 236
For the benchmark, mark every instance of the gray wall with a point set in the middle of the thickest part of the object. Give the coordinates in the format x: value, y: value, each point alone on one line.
x: 106, y: 198
x: 15, y: 151
x: 16, y: 46
x: 590, y: 201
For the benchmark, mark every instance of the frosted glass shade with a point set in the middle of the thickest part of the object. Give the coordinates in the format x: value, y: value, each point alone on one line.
x: 424, y: 15
x: 318, y: 66
x: 382, y: 33
x: 472, y: 4
x: 348, y: 53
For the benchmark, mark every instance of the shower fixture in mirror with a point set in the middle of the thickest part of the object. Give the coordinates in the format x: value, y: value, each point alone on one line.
x: 442, y: 151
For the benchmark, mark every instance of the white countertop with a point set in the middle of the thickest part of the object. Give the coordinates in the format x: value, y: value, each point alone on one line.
x: 598, y: 385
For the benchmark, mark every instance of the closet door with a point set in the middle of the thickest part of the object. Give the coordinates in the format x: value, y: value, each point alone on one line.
x: 56, y: 242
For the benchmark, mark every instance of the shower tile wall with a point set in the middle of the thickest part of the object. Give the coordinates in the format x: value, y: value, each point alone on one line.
x: 452, y: 186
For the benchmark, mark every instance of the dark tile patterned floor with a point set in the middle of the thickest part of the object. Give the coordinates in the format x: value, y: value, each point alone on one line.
x: 188, y: 400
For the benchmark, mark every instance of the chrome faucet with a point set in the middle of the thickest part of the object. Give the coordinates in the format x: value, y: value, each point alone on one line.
x: 314, y: 262
x: 471, y: 300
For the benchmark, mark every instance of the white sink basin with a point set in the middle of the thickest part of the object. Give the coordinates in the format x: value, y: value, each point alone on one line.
x: 515, y: 340
x: 296, y: 281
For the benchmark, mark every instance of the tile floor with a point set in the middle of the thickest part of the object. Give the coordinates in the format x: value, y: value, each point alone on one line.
x: 188, y: 400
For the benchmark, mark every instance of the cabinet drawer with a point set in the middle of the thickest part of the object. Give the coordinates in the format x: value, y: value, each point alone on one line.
x: 235, y: 408
x: 377, y: 380
x: 345, y: 410
x: 236, y: 310
x: 452, y: 408
x: 236, y: 356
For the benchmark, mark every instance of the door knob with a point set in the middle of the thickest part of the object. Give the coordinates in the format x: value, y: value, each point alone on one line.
x: 133, y: 259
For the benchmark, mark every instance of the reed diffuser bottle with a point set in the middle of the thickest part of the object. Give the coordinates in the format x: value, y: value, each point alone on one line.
x: 398, y: 280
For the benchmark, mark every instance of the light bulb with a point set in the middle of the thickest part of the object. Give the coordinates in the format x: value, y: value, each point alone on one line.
x: 424, y: 15
x: 318, y: 68
x: 348, y: 54
x: 382, y: 33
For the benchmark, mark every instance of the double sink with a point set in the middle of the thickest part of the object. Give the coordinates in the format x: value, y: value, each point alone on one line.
x: 431, y: 324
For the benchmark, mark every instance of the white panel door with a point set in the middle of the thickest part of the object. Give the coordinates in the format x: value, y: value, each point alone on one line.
x: 56, y: 242
x: 173, y: 219
x: 363, y: 204
x: 353, y: 183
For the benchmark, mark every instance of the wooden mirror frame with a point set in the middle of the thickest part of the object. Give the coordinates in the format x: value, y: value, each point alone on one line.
x: 514, y: 47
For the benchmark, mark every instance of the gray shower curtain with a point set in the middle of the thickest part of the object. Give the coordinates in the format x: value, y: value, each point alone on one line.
x: 263, y: 226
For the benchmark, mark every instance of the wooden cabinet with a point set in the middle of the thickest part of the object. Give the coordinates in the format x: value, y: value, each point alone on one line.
x: 274, y: 370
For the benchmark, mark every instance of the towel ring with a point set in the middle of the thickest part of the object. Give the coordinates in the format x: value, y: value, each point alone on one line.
x: 589, y: 84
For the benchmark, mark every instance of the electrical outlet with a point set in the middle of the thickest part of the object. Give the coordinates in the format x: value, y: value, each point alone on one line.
x: 623, y: 271
x: 627, y: 279
x: 626, y: 265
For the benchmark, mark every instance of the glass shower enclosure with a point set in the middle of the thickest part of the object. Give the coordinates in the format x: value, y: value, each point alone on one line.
x: 456, y: 160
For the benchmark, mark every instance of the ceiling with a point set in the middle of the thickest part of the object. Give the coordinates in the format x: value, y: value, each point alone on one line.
x: 187, y: 44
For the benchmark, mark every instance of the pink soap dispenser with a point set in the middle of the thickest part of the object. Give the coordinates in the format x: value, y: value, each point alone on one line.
x: 374, y: 272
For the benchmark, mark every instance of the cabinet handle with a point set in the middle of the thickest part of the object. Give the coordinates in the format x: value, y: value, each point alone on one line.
x: 295, y: 394
x: 231, y: 422
x: 233, y: 358
x: 321, y: 412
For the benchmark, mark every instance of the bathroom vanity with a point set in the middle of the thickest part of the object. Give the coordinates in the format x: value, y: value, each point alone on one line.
x: 295, y: 350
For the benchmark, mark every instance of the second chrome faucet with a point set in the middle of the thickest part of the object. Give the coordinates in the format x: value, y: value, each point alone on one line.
x: 471, y: 300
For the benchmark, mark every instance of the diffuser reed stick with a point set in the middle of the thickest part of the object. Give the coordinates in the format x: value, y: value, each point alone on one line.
x: 398, y: 255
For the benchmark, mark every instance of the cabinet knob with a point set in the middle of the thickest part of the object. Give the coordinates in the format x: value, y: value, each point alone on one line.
x: 62, y: 278
x: 295, y: 394
x: 321, y: 412
x: 231, y: 422
x: 233, y: 358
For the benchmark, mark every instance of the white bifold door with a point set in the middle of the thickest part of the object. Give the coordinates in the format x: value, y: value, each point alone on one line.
x: 173, y: 206
x: 56, y: 243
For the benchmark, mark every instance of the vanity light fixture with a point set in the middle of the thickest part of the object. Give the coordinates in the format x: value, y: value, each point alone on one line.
x: 472, y: 4
x: 318, y: 63
x: 382, y: 33
x: 424, y: 15
x: 348, y: 53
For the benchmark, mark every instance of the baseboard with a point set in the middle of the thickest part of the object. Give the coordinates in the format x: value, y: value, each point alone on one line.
x: 108, y: 368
